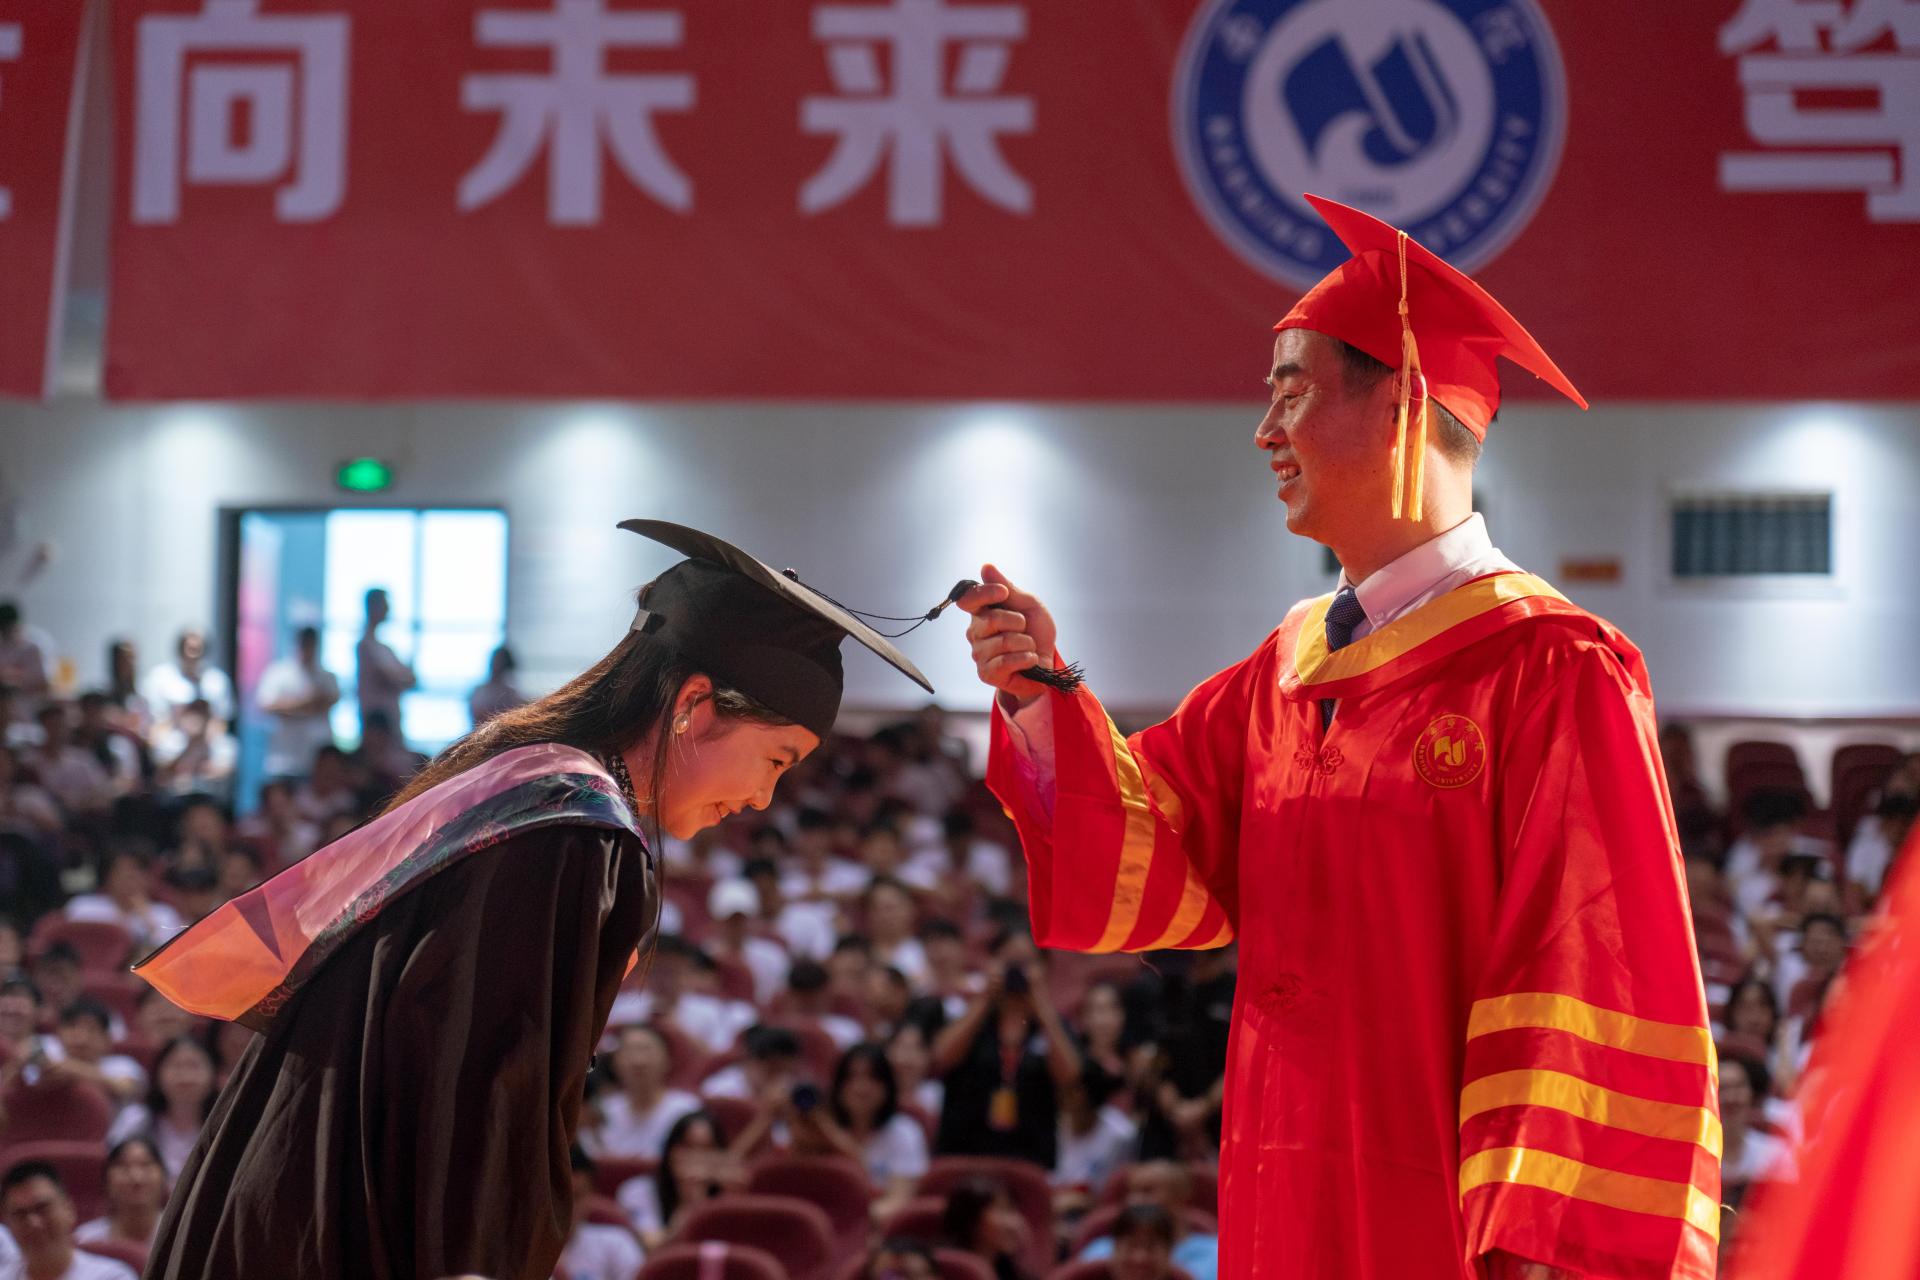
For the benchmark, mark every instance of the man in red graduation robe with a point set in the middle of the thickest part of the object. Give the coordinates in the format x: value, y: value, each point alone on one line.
x: 1469, y: 1037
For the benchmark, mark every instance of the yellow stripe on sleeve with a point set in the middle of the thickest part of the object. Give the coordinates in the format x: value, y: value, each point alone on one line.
x: 1561, y: 1092
x: 1673, y: 1041
x: 1523, y: 1166
x: 1136, y: 848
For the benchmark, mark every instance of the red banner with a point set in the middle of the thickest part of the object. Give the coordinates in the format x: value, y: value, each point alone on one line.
x: 40, y: 63
x: 995, y: 198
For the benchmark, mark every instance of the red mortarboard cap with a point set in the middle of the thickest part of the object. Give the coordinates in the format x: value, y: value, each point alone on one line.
x: 1459, y: 327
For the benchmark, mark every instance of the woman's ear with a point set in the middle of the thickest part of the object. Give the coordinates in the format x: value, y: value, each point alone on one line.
x: 696, y: 689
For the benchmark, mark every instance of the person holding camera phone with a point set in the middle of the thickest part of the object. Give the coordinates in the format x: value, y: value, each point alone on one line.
x: 1469, y: 1037
x: 1005, y: 1061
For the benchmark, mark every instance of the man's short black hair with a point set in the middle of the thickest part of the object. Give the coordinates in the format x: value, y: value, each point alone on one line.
x: 1363, y: 372
x: 1773, y: 807
x: 19, y: 984
x: 307, y: 635
x: 754, y: 868
x: 806, y: 976
x: 581, y: 1161
x: 26, y: 1171
x: 939, y: 927
x: 763, y: 1042
x: 87, y: 1009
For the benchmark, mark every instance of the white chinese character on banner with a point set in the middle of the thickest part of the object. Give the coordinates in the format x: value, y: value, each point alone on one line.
x: 572, y: 108
x: 9, y: 50
x: 291, y: 90
x: 1864, y: 51
x: 915, y: 122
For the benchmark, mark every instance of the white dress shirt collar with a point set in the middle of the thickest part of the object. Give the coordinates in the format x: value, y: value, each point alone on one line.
x: 1426, y: 571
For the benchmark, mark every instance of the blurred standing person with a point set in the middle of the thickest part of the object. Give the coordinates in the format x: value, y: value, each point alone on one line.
x: 379, y: 674
x: 172, y: 688
x: 193, y: 754
x: 68, y: 771
x: 499, y: 693
x: 119, y: 751
x: 123, y: 687
x: 26, y: 654
x: 299, y: 694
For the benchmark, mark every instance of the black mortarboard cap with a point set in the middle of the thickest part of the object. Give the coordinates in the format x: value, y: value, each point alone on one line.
x: 753, y: 628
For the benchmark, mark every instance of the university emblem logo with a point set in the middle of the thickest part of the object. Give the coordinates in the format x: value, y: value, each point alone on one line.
x: 1444, y: 117
x: 1450, y: 752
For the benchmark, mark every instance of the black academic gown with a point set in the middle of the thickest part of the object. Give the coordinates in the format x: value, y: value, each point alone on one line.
x: 408, y: 1115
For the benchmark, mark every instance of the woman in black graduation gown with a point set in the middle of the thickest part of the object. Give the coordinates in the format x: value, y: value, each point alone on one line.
x: 408, y: 1109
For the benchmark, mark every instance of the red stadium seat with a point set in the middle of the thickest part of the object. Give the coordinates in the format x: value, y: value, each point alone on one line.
x: 104, y: 947
x: 953, y: 1264
x: 1882, y: 756
x: 834, y: 1183
x: 82, y: 1167
x: 1854, y: 786
x: 1101, y: 1270
x: 69, y: 1113
x: 610, y: 1173
x: 736, y: 980
x: 127, y: 1251
x: 1099, y: 1222
x: 920, y: 1218
x: 607, y: 1212
x: 734, y: 1114
x: 1027, y: 1184
x: 1752, y: 751
x: 712, y: 1260
x: 120, y: 992
x: 797, y: 1233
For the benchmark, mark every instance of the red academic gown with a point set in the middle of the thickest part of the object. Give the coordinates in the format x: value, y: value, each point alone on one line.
x: 1469, y: 1016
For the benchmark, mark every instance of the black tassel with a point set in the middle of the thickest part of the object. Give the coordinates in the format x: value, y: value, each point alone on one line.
x: 1067, y: 679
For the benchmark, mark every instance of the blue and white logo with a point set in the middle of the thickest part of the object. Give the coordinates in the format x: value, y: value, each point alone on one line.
x: 1443, y: 117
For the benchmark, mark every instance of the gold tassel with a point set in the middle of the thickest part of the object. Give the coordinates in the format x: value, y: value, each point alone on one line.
x: 1414, y: 503
x: 1420, y: 464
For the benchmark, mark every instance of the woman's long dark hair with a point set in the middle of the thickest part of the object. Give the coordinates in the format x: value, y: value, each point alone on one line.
x: 666, y: 1187
x: 620, y: 700
x: 875, y: 1056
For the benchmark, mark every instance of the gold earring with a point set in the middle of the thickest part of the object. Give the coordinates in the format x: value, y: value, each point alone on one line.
x: 680, y: 724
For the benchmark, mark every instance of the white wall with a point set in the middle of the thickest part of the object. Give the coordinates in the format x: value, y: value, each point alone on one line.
x: 1151, y: 530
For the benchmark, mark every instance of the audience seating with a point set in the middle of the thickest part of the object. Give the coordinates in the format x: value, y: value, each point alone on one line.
x: 104, y: 947
x: 920, y: 1218
x: 953, y: 1264
x: 610, y: 1173
x: 733, y: 1114
x: 797, y: 1233
x: 1026, y: 1183
x: 75, y: 1112
x: 835, y: 1184
x: 712, y: 1260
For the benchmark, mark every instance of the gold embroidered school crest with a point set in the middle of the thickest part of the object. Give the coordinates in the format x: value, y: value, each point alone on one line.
x: 1450, y: 752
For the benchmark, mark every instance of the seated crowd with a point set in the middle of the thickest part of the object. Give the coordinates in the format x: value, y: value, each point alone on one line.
x: 844, y: 1057
x: 845, y: 1051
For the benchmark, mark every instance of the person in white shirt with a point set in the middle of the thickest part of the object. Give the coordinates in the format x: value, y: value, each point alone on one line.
x: 26, y: 653
x: 1754, y: 861
x: 193, y: 754
x: 889, y: 911
x: 771, y: 1057
x: 635, y: 1117
x: 38, y: 1213
x: 379, y: 675
x: 817, y: 873
x: 298, y: 693
x: 177, y: 1105
x: 172, y: 686
x: 596, y: 1250
x: 136, y: 1193
x: 70, y: 773
x: 807, y: 928
x: 734, y: 906
x: 1096, y: 1139
x: 683, y: 989
x: 910, y: 1053
x: 1748, y: 1155
x: 125, y: 898
x: 499, y: 693
x: 87, y: 1049
x: 862, y: 1121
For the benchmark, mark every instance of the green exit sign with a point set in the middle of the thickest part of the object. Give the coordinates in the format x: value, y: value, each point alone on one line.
x: 364, y: 475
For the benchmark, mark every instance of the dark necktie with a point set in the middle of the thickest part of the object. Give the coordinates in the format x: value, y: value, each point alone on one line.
x: 1343, y: 615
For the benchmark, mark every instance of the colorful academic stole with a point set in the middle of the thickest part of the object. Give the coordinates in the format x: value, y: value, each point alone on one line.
x: 249, y: 956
